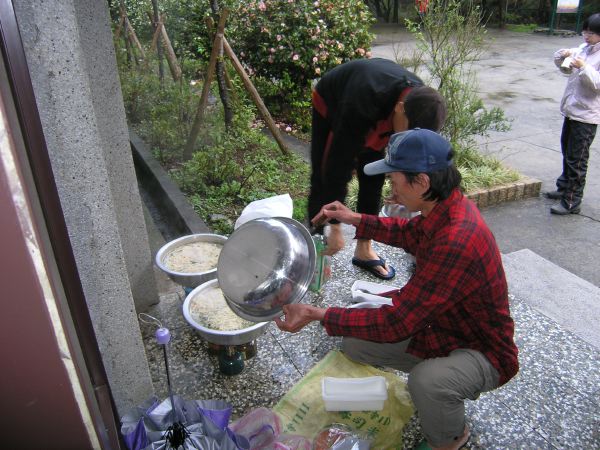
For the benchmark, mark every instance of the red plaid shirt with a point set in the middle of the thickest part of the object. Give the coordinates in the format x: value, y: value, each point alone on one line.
x: 457, y: 298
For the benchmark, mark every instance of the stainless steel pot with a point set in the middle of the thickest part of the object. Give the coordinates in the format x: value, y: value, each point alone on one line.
x: 266, y: 263
x: 234, y: 337
x: 191, y: 279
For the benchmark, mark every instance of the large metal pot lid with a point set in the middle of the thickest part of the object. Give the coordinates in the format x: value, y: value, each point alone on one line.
x: 266, y: 263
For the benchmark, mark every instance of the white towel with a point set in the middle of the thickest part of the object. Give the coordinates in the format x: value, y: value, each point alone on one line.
x: 371, y: 296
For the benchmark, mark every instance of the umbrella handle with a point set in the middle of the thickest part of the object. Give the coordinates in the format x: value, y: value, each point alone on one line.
x: 163, y: 336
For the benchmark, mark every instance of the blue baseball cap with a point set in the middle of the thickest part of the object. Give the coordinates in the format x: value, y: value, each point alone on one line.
x: 417, y: 150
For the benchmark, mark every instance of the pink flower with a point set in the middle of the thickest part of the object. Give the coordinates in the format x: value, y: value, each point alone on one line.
x: 271, y: 59
x: 368, y: 54
x: 279, y: 37
x: 295, y: 57
x: 272, y: 50
x: 315, y: 59
x: 360, y: 51
x: 262, y: 6
x: 288, y: 129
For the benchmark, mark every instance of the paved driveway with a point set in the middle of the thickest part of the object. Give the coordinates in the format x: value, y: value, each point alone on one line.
x: 517, y: 74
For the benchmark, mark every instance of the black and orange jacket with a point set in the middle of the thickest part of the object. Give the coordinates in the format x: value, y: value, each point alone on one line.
x: 357, y: 98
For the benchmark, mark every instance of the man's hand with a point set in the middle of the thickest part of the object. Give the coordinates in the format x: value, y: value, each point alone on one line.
x: 337, y: 211
x: 297, y: 316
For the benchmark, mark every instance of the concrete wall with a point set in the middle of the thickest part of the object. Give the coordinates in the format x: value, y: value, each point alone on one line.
x: 69, y: 51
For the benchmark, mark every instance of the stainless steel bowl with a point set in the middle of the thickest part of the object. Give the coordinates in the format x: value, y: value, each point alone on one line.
x: 188, y: 279
x: 235, y: 337
x: 266, y: 263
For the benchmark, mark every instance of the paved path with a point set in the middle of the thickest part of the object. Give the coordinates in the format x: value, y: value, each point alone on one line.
x: 518, y: 75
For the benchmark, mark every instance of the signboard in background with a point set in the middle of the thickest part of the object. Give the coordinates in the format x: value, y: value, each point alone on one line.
x: 567, y: 6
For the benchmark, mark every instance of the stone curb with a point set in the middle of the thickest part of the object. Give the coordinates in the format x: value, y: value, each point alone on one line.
x: 165, y: 193
x: 524, y: 188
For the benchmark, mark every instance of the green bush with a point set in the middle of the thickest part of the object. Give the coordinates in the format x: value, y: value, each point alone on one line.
x: 299, y: 38
x: 236, y: 168
x: 286, y: 44
x: 283, y: 44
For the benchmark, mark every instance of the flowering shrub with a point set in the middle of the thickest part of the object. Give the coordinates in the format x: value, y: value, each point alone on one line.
x: 298, y: 40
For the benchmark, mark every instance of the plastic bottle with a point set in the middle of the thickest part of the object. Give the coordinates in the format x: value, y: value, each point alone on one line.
x: 322, y: 266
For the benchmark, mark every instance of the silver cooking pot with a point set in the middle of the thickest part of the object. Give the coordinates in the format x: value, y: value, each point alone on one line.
x: 266, y: 263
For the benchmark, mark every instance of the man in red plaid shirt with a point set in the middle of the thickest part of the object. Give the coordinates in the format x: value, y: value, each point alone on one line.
x: 450, y: 325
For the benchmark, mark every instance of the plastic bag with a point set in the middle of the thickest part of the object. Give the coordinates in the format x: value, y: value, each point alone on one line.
x: 277, y: 206
x: 337, y: 436
x: 302, y: 409
x: 147, y: 426
x: 262, y: 428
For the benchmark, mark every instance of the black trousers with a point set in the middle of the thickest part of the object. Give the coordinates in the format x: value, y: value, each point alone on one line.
x: 575, y: 142
x: 334, y: 159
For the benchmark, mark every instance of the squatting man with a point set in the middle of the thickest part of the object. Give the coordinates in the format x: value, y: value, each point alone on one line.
x: 450, y: 326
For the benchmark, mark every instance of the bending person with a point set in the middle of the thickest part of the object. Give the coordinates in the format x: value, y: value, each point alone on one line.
x: 356, y: 108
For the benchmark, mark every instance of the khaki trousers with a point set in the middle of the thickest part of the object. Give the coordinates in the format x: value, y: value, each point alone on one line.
x: 438, y: 386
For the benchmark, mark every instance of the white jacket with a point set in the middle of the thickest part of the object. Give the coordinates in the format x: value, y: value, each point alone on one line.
x: 581, y: 100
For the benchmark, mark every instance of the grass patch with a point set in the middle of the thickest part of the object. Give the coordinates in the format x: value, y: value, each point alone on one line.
x: 522, y: 27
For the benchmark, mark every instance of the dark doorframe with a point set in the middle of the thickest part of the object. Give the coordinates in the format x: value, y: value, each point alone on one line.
x: 25, y: 120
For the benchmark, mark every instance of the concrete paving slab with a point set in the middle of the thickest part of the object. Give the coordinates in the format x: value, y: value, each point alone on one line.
x: 569, y: 300
x: 571, y: 242
x: 537, y: 161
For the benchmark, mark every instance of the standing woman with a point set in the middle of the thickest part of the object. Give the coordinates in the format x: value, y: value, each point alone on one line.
x: 357, y: 106
x: 581, y: 107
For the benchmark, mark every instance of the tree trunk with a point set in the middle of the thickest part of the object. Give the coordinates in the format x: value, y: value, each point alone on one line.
x: 221, y: 82
x: 217, y: 44
x: 155, y: 23
x: 128, y: 49
x: 501, y: 13
x: 266, y: 115
x: 171, y: 57
x: 378, y: 11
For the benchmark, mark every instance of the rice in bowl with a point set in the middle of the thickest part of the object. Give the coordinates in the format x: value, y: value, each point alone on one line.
x: 209, y: 309
x: 195, y: 257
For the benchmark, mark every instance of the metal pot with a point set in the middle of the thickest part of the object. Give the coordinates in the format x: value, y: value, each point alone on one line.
x: 266, y: 263
x: 191, y: 279
x: 234, y: 337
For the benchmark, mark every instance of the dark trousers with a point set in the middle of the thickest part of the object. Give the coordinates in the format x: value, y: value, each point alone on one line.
x: 332, y: 169
x: 575, y: 142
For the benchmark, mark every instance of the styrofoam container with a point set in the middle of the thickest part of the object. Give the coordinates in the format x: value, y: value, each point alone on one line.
x: 354, y: 394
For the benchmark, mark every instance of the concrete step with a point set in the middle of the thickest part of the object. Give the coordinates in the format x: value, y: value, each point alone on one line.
x: 570, y: 301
